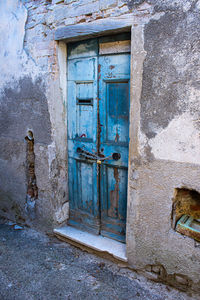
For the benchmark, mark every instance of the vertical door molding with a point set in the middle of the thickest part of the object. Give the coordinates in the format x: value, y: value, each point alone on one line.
x: 137, y: 59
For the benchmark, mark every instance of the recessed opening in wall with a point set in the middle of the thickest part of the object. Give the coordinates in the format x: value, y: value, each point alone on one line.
x: 32, y: 189
x: 186, y: 212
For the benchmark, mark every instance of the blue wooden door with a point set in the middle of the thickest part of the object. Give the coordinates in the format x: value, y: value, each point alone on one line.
x: 98, y: 137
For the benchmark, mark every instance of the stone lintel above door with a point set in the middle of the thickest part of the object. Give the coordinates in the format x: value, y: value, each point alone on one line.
x: 94, y: 29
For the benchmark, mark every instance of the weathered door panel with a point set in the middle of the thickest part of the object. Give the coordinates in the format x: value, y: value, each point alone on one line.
x: 82, y: 131
x: 113, y: 202
x: 114, y: 117
x: 98, y: 122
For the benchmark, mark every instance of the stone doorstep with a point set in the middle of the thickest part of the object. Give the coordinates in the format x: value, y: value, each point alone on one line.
x: 96, y: 242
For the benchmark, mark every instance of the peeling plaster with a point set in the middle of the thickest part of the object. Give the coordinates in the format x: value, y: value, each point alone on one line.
x: 51, y: 154
x: 63, y: 213
x: 179, y: 141
x: 13, y: 57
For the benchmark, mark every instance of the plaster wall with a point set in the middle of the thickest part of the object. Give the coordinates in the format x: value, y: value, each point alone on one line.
x: 164, y: 120
x: 30, y: 99
x: 164, y: 153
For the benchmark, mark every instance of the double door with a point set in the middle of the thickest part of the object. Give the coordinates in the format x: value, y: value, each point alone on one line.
x: 98, y: 76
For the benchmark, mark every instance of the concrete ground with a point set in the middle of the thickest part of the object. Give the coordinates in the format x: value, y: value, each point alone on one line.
x: 35, y: 266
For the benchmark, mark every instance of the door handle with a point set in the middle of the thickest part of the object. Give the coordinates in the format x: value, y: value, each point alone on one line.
x: 84, y: 153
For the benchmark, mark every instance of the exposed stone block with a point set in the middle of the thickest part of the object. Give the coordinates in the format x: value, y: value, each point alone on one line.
x: 151, y: 276
x: 105, y: 4
x: 78, y: 2
x: 156, y: 269
x: 74, y: 10
x: 144, y: 6
x: 181, y: 279
x: 70, y: 1
x: 57, y: 1
x: 121, y: 3
x: 70, y: 21
x: 148, y: 268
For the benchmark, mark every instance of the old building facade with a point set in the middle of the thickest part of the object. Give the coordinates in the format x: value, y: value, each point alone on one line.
x: 145, y: 51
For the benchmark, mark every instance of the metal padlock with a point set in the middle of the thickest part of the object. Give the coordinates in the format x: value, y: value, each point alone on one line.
x: 98, y: 162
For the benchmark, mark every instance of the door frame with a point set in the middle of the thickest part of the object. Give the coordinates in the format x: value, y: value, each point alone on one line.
x: 104, y: 27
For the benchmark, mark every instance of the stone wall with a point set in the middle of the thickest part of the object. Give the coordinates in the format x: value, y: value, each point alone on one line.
x: 164, y: 141
x: 166, y: 156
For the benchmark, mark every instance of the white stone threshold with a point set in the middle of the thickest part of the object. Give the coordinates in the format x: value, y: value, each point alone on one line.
x: 95, y: 242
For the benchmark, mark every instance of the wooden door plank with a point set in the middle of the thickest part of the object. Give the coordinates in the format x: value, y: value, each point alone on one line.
x: 82, y: 87
x: 115, y: 47
x: 114, y: 115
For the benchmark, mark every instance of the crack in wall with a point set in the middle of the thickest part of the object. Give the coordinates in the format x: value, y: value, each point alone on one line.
x: 32, y: 189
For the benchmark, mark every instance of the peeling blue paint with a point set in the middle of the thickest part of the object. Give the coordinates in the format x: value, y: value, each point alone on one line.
x: 98, y: 122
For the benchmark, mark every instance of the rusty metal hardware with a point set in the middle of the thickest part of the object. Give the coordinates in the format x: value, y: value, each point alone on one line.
x: 88, y: 155
x: 116, y: 156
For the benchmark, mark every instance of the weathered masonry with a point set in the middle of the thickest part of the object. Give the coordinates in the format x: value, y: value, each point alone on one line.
x: 99, y: 127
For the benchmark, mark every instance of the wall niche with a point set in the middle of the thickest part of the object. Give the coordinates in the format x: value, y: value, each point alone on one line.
x: 186, y: 212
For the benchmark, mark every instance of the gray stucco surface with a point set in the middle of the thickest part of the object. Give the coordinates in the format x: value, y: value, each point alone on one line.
x: 13, y: 177
x: 133, y: 3
x: 23, y: 106
x: 170, y: 69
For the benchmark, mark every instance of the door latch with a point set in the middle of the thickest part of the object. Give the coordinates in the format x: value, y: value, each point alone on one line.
x: 89, y: 155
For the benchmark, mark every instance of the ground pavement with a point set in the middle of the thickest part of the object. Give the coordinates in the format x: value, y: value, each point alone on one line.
x: 36, y: 266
